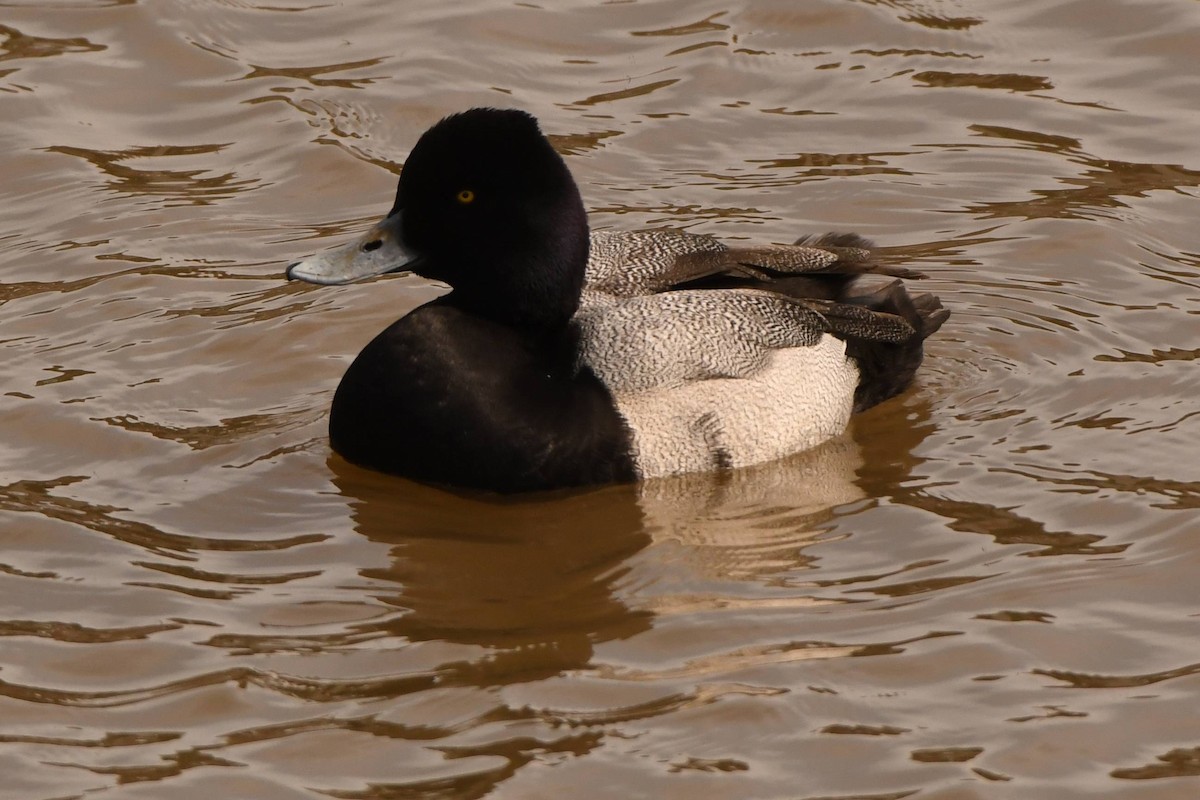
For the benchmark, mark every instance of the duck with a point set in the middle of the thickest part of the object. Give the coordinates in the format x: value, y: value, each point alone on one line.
x: 563, y: 357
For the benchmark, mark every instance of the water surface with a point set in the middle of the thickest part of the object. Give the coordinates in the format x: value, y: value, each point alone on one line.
x: 987, y: 588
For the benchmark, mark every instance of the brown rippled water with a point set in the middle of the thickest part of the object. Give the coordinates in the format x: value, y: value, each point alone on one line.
x: 988, y: 588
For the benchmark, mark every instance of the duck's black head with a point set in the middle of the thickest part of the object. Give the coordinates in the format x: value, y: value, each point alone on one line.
x: 492, y: 210
x: 486, y: 205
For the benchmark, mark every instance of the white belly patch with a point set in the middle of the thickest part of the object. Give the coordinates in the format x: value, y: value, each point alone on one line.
x: 801, y: 397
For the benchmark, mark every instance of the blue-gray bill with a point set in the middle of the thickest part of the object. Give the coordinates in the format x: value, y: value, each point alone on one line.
x: 378, y: 251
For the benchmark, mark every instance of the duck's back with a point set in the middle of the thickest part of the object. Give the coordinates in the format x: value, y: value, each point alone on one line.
x: 719, y: 357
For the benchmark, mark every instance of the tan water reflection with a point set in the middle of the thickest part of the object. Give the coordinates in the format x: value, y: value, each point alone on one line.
x: 986, y: 589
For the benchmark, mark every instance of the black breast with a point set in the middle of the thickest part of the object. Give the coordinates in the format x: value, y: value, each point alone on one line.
x: 445, y: 396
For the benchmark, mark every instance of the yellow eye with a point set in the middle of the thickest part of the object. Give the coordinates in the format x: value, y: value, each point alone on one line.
x: 466, y: 197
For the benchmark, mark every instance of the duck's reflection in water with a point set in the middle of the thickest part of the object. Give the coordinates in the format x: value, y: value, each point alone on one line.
x: 541, y: 580
x: 750, y: 523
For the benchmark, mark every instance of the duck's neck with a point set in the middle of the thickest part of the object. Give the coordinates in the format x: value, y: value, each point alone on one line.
x: 535, y: 287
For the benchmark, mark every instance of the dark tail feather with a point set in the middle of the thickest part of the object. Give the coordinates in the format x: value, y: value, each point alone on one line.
x: 857, y: 254
x: 884, y: 328
x: 887, y: 367
x: 836, y: 239
x: 819, y: 267
x: 887, y: 354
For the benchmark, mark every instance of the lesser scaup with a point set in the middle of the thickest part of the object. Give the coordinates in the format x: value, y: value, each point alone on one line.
x: 564, y: 359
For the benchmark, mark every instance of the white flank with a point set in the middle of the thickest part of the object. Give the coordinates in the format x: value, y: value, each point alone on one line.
x: 801, y: 397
